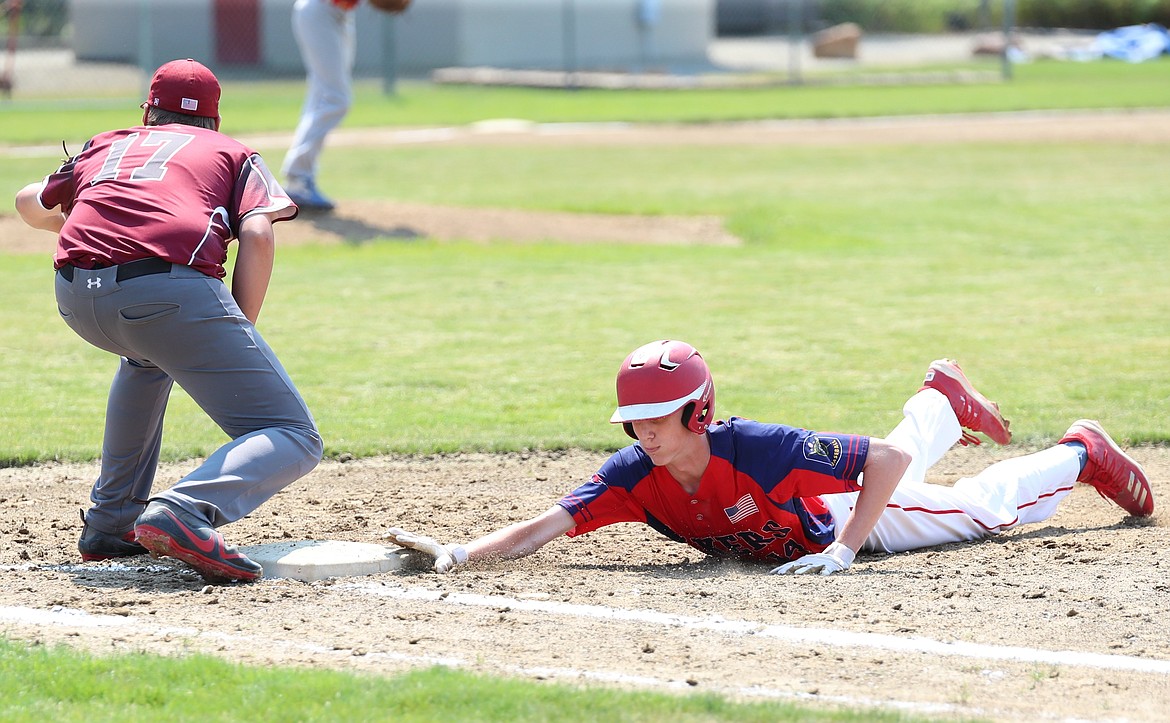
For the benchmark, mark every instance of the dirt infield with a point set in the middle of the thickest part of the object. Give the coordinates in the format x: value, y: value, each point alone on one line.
x: 1060, y: 621
x: 965, y: 629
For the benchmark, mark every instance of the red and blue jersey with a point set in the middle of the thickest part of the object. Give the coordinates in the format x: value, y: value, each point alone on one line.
x: 758, y: 498
x: 174, y: 192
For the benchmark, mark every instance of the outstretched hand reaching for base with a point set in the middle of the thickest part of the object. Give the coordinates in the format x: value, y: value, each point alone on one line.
x: 445, y: 556
x: 835, y: 558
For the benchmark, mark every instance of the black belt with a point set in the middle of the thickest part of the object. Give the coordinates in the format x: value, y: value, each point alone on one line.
x: 128, y: 270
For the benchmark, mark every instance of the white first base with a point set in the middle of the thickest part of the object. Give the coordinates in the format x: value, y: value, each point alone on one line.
x: 309, y: 560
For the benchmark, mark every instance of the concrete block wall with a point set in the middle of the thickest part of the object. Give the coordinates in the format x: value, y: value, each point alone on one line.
x: 119, y: 30
x: 553, y: 34
x: 547, y: 34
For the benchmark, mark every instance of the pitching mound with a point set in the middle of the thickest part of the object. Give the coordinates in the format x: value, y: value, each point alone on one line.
x: 358, y: 222
x: 362, y: 222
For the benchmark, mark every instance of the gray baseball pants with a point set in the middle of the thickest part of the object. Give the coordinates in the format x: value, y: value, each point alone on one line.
x: 185, y: 327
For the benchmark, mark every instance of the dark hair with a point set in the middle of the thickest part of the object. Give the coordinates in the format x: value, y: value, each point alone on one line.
x: 160, y: 117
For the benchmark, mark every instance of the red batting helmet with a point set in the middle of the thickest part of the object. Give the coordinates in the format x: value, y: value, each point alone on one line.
x: 660, y: 378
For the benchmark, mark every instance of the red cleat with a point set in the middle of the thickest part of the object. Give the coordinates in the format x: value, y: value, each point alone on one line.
x: 1114, y: 474
x: 974, y: 411
x: 171, y: 532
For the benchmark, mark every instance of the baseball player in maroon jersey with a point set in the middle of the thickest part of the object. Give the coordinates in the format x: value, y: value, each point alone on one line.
x: 144, y: 217
x: 805, y: 502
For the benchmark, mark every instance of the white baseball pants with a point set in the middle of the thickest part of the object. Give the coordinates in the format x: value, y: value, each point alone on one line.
x: 1013, y: 492
x: 325, y: 35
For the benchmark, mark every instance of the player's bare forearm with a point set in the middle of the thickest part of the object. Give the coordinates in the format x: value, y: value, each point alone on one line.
x: 28, y: 205
x: 884, y: 467
x: 253, y: 268
x: 522, y: 538
x: 509, y: 543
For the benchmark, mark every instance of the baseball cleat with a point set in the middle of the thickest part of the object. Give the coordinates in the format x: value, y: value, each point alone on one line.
x: 1113, y: 473
x: 973, y: 410
x: 171, y: 532
x: 304, y: 194
x: 95, y: 545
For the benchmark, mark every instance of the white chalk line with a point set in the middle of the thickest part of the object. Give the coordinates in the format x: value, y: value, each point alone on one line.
x: 719, y: 624
x: 151, y: 565
x: 72, y: 618
x: 787, y: 633
x: 66, y: 617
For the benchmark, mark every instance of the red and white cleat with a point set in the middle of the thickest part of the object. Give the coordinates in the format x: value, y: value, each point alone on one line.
x: 974, y: 411
x: 1113, y: 473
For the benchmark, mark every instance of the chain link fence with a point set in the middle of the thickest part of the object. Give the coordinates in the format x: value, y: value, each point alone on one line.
x: 87, y: 51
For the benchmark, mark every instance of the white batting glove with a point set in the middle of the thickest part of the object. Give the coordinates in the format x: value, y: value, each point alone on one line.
x: 835, y: 558
x: 445, y: 556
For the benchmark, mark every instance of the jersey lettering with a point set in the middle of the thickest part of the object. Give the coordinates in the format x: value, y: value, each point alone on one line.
x: 704, y: 544
x: 730, y: 543
x: 168, y: 143
x: 793, y: 549
x: 776, y: 530
x: 110, y: 165
x: 754, y: 540
x: 745, y: 541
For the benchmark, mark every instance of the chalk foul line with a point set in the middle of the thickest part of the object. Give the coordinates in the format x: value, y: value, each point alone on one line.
x: 787, y: 633
x: 73, y: 618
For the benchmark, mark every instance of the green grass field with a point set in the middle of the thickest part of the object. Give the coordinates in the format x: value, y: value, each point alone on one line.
x: 1039, y: 267
x: 264, y: 107
x: 42, y: 683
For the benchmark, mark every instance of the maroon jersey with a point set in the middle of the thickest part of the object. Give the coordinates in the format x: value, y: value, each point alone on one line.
x: 175, y: 192
x: 759, y: 497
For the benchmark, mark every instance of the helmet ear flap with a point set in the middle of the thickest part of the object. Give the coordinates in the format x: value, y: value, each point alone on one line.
x: 704, y: 417
x: 697, y: 423
x: 629, y: 430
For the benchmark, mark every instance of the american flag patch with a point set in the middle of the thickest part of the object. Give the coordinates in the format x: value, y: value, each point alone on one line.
x: 189, y: 104
x: 745, y: 507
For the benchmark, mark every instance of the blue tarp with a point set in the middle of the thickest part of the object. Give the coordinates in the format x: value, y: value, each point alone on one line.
x: 1133, y: 43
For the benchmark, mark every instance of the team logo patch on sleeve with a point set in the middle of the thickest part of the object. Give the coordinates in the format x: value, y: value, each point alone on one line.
x: 827, y: 451
x: 745, y: 507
